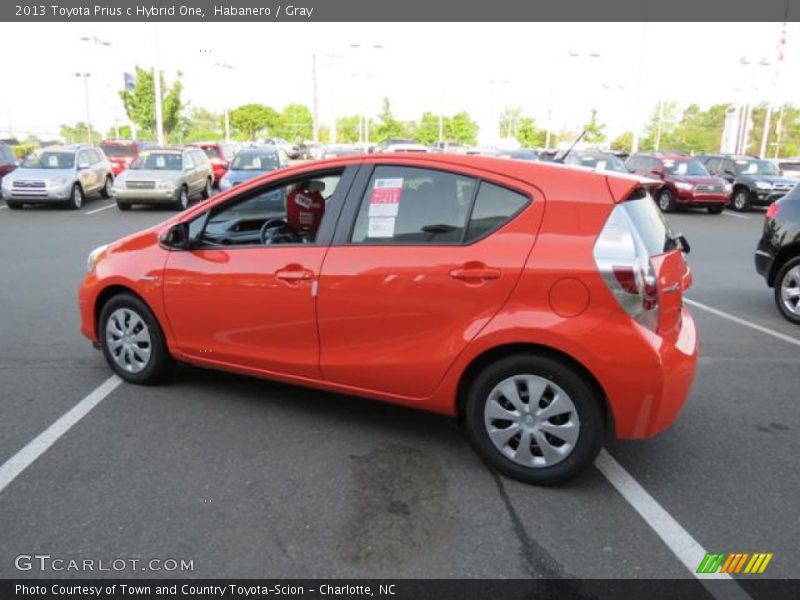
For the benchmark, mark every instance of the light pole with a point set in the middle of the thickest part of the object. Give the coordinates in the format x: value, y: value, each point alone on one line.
x: 367, y: 75
x: 157, y: 90
x: 744, y: 124
x: 85, y: 77
x: 226, y: 67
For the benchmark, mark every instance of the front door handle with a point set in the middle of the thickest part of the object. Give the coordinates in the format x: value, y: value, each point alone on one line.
x: 294, y: 273
x: 475, y: 272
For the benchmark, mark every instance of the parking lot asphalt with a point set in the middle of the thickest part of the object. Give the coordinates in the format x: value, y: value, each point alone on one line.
x: 249, y: 478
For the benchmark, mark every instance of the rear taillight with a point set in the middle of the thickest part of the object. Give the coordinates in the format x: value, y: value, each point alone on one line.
x: 773, y: 210
x: 624, y: 263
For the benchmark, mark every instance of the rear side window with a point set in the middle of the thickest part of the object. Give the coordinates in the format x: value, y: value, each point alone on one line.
x: 406, y: 205
x: 649, y: 222
x: 494, y: 206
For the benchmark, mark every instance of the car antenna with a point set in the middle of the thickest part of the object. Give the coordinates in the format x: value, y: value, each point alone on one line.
x: 560, y: 159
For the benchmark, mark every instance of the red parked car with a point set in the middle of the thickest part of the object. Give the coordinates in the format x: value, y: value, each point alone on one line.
x: 121, y: 153
x: 685, y: 181
x: 219, y: 155
x: 8, y: 161
x: 462, y: 285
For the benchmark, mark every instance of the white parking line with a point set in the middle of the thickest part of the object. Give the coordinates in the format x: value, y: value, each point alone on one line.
x: 776, y: 334
x: 677, y: 539
x: 39, y: 445
x: 97, y: 210
x: 4, y: 206
x: 730, y: 214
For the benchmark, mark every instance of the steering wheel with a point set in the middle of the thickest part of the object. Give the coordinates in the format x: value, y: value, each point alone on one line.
x: 277, y: 231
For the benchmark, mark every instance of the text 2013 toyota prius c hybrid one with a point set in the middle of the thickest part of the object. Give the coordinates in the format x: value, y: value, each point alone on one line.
x: 540, y: 303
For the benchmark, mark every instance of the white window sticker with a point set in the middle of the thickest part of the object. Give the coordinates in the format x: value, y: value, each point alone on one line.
x: 381, y: 227
x: 393, y: 182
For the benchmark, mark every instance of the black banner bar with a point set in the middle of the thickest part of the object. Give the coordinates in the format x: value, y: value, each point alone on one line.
x: 405, y: 10
x: 398, y: 589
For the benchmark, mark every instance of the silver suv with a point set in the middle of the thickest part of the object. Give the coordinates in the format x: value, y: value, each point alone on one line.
x: 64, y: 174
x: 164, y: 176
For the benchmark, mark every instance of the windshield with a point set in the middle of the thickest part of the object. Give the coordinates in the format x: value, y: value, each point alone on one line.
x: 50, y: 160
x: 118, y: 150
x: 255, y: 162
x: 756, y: 167
x: 691, y: 168
x: 159, y: 161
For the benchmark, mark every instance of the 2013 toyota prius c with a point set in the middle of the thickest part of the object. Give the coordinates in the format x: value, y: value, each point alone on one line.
x: 540, y: 303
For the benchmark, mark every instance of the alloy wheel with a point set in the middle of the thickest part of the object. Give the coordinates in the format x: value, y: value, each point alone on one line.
x: 790, y: 291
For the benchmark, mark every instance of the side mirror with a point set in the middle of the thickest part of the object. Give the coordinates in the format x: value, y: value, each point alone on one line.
x: 682, y: 243
x: 177, y: 237
x: 658, y: 171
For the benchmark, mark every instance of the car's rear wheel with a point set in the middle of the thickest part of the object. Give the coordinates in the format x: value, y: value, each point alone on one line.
x: 665, y: 201
x: 132, y: 340
x: 13, y: 204
x: 534, y: 419
x: 123, y: 205
x: 207, y: 190
x: 106, y: 191
x: 787, y: 290
x: 182, y: 201
x: 75, y: 197
x: 716, y: 210
x: 741, y: 200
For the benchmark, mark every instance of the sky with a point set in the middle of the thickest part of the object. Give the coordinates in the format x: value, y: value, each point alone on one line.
x: 554, y: 72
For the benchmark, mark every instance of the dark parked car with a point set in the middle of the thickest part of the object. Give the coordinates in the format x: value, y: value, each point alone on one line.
x: 686, y: 182
x: 756, y: 182
x: 778, y: 254
x: 7, y: 161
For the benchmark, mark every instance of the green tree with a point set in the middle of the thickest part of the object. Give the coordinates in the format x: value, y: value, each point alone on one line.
x: 427, y: 129
x: 510, y: 122
x: 594, y: 130
x: 295, y: 122
x: 140, y: 106
x: 461, y: 129
x: 79, y: 134
x: 528, y: 135
x: 347, y: 129
x: 387, y: 127
x: 252, y: 119
x: 623, y: 141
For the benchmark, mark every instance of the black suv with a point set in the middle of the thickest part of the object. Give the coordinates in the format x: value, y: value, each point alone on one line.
x: 778, y: 254
x: 756, y: 182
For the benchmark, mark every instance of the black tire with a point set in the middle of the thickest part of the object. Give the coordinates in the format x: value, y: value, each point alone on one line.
x: 182, y: 198
x: 105, y: 193
x: 123, y: 205
x: 13, y: 204
x: 76, y: 197
x: 208, y: 189
x: 741, y: 200
x: 783, y: 274
x: 666, y: 202
x: 585, y: 400
x: 160, y: 363
x: 716, y: 210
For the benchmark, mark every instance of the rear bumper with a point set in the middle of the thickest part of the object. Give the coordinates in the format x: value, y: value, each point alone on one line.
x: 665, y: 372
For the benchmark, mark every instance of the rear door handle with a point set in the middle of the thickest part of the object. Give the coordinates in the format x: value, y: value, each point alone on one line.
x: 482, y: 273
x: 294, y: 274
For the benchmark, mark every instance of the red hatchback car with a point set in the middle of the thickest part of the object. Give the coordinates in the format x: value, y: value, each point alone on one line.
x: 684, y: 181
x: 541, y: 304
x: 121, y: 153
x: 219, y: 155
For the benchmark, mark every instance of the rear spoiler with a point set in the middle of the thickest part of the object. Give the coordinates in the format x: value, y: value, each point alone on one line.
x: 622, y: 186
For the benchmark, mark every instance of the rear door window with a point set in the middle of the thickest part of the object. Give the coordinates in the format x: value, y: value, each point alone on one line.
x: 409, y: 205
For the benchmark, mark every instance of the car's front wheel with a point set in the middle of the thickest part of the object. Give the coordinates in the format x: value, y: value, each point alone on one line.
x: 132, y: 340
x: 75, y: 198
x: 741, y: 200
x: 787, y: 290
x: 665, y: 201
x: 207, y: 190
x: 182, y: 201
x: 534, y: 419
